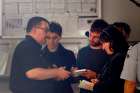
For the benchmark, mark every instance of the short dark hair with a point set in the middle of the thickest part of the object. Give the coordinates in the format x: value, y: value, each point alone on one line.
x: 56, y: 28
x: 98, y: 25
x: 112, y: 35
x: 34, y: 21
x: 126, y: 28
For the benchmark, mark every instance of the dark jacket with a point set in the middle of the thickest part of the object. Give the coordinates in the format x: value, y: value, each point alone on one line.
x: 61, y: 57
x: 110, y: 81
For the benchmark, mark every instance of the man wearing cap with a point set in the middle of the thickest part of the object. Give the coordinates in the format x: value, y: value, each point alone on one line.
x: 29, y: 71
x: 57, y: 56
x: 92, y: 57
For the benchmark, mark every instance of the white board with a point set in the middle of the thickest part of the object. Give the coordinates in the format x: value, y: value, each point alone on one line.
x: 66, y: 12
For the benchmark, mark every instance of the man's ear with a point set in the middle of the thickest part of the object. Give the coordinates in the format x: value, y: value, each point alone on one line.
x: 33, y: 29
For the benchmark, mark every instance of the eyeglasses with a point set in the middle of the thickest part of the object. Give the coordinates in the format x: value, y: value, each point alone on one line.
x: 44, y: 29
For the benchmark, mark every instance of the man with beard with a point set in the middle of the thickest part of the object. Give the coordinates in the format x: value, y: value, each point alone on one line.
x: 92, y: 57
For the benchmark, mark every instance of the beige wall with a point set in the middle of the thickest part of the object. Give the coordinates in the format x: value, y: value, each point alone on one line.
x: 123, y: 10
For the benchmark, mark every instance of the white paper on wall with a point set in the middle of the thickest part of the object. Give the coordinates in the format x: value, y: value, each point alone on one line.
x: 12, y: 24
x: 11, y: 8
x: 25, y: 8
x: 83, y: 25
x: 73, y: 1
x: 57, y: 7
x: 58, y: 1
x: 43, y: 7
x: 69, y: 24
x: 65, y: 12
x: 14, y: 1
x: 3, y: 62
x: 4, y: 53
x: 74, y: 7
x: 89, y: 1
x: 88, y: 8
x: 42, y: 0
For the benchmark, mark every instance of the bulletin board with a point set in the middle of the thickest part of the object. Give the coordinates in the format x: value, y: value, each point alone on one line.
x: 1, y: 18
x: 75, y: 16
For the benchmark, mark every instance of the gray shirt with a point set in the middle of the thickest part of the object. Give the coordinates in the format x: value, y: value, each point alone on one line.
x: 131, y: 69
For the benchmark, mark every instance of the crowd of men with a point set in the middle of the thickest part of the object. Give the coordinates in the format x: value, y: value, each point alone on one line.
x: 41, y: 64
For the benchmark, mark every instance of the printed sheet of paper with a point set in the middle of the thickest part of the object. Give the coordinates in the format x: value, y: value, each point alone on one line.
x: 4, y: 53
x: 66, y: 12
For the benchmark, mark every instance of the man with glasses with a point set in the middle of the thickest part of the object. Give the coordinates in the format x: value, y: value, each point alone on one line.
x: 30, y: 72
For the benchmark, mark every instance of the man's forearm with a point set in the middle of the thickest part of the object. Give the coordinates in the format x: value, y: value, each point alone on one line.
x: 41, y: 73
x: 129, y: 86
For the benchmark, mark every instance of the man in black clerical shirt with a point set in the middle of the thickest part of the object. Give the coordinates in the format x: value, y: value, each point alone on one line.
x: 29, y: 71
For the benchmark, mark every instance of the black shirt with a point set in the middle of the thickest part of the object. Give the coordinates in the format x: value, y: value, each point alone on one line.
x: 110, y: 81
x: 93, y: 59
x: 60, y: 58
x: 27, y: 55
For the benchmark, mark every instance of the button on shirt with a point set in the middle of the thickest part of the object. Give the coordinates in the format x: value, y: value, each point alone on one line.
x: 131, y: 69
